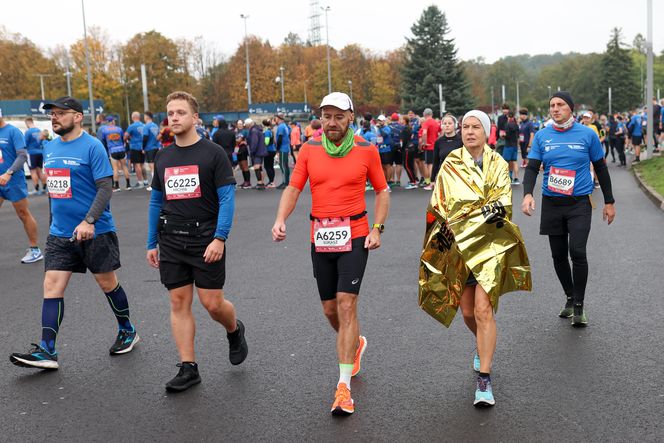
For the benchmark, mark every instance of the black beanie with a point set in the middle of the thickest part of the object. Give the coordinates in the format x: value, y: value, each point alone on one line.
x: 566, y: 97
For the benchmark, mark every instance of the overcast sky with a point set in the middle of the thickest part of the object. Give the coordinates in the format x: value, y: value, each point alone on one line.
x: 482, y: 28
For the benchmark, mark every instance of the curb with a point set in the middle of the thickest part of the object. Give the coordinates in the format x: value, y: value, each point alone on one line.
x: 653, y: 195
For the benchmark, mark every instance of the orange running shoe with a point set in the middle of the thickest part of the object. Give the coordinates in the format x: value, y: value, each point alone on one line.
x: 361, y: 347
x: 343, y: 404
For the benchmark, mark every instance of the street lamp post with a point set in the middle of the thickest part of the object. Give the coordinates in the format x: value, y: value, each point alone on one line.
x: 518, y: 100
x: 87, y: 66
x: 68, y: 74
x: 492, y: 104
x: 350, y: 87
x: 327, y: 34
x: 246, y: 55
x: 41, y: 83
x: 650, y: 93
x: 549, y: 88
x: 281, y: 70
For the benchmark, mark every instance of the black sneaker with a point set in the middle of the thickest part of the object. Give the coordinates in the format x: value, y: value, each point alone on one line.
x: 237, y: 345
x: 568, y: 310
x: 37, y: 357
x: 282, y: 186
x: 579, y: 320
x: 186, y: 378
x: 124, y: 343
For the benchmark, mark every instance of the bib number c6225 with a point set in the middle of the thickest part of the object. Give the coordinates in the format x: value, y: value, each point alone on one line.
x: 332, y: 235
x: 561, y: 181
x: 58, y: 182
x: 182, y: 182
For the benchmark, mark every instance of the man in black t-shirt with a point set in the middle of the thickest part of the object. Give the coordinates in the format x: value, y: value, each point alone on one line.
x: 225, y: 138
x: 189, y: 219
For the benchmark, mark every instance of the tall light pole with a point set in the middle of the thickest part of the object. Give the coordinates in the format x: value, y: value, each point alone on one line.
x: 350, y: 87
x: 503, y: 86
x: 549, y: 88
x: 246, y: 55
x: 518, y: 100
x: 87, y: 66
x: 68, y: 74
x: 327, y: 37
x: 649, y: 82
x: 281, y: 71
x: 41, y: 83
x: 492, y: 103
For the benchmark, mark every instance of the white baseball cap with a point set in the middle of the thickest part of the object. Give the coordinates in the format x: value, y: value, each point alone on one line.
x: 587, y: 114
x: 381, y: 117
x: 338, y: 100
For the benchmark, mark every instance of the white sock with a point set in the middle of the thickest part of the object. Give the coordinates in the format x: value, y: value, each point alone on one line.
x: 345, y: 373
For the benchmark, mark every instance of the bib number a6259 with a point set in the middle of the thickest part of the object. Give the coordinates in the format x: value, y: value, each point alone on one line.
x: 182, y: 182
x: 58, y: 182
x: 332, y: 235
x: 561, y: 181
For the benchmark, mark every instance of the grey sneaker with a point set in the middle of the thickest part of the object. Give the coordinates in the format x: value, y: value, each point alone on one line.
x: 32, y: 256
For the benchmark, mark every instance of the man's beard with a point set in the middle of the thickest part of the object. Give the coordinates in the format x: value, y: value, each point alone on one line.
x: 337, y: 138
x: 63, y: 130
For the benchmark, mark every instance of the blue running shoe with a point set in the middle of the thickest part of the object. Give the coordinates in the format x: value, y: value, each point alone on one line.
x: 37, y: 357
x: 484, y: 393
x: 125, y: 342
x: 33, y: 255
x: 476, y: 362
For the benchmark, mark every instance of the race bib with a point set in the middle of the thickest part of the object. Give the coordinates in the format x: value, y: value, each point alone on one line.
x: 379, y: 140
x: 58, y: 182
x: 561, y: 181
x: 522, y: 138
x: 332, y: 235
x: 182, y: 182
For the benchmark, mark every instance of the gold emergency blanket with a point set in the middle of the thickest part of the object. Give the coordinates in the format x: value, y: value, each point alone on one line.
x: 469, y: 228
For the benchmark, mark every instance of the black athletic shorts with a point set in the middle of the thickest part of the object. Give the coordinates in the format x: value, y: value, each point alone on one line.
x: 637, y: 140
x: 562, y: 215
x: 420, y: 155
x: 136, y: 156
x: 428, y: 157
x: 118, y: 155
x: 386, y: 158
x: 242, y: 156
x: 181, y: 263
x: 256, y: 160
x: 339, y: 271
x: 99, y: 255
x: 35, y: 161
x: 150, y: 155
x: 397, y: 157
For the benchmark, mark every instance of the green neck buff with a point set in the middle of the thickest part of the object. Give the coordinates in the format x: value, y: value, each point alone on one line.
x: 341, y: 150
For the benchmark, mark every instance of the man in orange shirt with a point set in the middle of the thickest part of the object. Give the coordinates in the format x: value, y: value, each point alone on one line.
x: 430, y: 131
x: 337, y: 165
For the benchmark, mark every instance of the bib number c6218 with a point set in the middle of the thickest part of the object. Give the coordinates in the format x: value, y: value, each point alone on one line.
x: 332, y: 235
x: 58, y: 182
x: 182, y: 182
x: 561, y: 181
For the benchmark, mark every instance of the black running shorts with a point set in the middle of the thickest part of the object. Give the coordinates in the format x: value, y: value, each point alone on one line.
x: 562, y: 215
x: 181, y: 263
x: 637, y: 140
x: 339, y: 271
x: 99, y: 255
x: 428, y: 157
x: 387, y: 158
x: 397, y: 157
x: 118, y: 155
x: 136, y: 156
x: 150, y: 155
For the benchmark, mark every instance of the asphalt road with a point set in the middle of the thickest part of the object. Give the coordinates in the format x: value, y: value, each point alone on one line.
x: 552, y: 382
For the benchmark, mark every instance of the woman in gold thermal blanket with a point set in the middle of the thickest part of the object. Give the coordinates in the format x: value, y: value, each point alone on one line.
x: 472, y: 253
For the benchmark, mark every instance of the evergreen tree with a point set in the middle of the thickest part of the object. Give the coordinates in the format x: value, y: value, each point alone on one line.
x: 617, y: 72
x: 431, y: 59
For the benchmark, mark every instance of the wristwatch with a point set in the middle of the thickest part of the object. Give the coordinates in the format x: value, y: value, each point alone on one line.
x: 90, y: 219
x: 380, y: 227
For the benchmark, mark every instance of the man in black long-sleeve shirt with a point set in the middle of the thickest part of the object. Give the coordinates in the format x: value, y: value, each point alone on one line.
x: 225, y: 138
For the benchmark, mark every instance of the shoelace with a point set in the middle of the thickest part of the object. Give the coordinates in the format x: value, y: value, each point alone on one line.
x: 343, y: 395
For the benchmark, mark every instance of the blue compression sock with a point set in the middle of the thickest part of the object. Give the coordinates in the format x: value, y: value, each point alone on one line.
x: 117, y: 299
x: 52, y: 311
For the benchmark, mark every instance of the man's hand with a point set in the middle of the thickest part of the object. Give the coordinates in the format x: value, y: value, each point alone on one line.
x: 528, y: 205
x: 214, y: 251
x: 84, y: 231
x: 4, y: 178
x: 609, y: 213
x: 153, y: 258
x: 373, y: 239
x: 279, y: 231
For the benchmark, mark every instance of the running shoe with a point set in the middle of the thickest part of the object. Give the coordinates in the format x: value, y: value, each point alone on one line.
x: 484, y: 393
x: 128, y: 188
x: 148, y: 188
x: 32, y: 255
x: 282, y: 186
x: 187, y: 377
x: 245, y: 185
x: 117, y: 189
x: 361, y: 347
x: 237, y: 345
x: 579, y: 320
x: 36, y: 357
x: 271, y: 185
x: 138, y: 185
x: 343, y: 403
x: 368, y: 188
x: 125, y: 342
x: 516, y: 182
x: 568, y: 310
x: 259, y: 186
x: 428, y: 187
x: 41, y: 192
x: 397, y: 184
x: 476, y: 362
x: 411, y: 186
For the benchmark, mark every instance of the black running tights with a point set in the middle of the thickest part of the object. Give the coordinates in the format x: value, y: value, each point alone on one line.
x: 573, y: 245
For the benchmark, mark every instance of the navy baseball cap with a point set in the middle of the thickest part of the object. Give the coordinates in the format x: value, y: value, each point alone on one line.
x: 65, y: 103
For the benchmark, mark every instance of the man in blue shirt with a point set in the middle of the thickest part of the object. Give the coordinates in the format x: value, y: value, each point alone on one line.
x: 566, y: 150
x: 397, y: 149
x: 635, y: 127
x: 134, y: 136
x: 150, y: 143
x: 384, y: 143
x: 112, y: 137
x: 33, y: 141
x: 13, y: 186
x: 283, y: 145
x: 82, y: 232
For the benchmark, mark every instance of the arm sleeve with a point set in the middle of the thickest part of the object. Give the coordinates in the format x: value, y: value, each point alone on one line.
x: 301, y: 173
x: 226, y: 196
x: 21, y: 158
x: 602, y: 172
x: 436, y: 162
x: 103, y: 197
x: 154, y: 209
x: 145, y: 141
x: 530, y: 177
